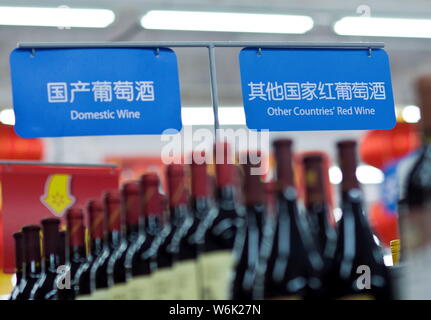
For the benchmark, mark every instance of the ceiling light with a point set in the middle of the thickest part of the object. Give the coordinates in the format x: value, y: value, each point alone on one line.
x: 383, y: 27
x: 411, y: 114
x: 62, y: 16
x: 226, y: 22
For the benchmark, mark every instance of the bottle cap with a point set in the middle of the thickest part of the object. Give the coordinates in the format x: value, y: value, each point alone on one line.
x: 252, y: 183
x: 200, y: 179
x: 151, y: 205
x: 177, y: 185
x: 50, y: 235
x: 348, y: 163
x: 31, y: 237
x: 131, y: 202
x: 96, y: 219
x: 284, y: 162
x: 112, y: 207
x: 225, y: 167
x: 395, y: 250
x: 314, y: 179
x: 75, y: 227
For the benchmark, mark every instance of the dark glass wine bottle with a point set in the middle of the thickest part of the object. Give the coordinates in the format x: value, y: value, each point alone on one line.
x: 290, y: 264
x: 138, y: 263
x: 130, y: 204
x: 414, y: 208
x: 317, y: 204
x: 96, y: 232
x: 167, y: 246
x: 19, y: 260
x: 203, y: 205
x: 112, y: 226
x: 46, y: 283
x: 32, y: 260
x: 246, y: 250
x: 219, y: 228
x: 76, y: 253
x: 358, y: 268
x: 184, y: 243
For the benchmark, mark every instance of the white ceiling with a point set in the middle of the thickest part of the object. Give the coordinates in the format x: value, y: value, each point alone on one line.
x: 409, y: 57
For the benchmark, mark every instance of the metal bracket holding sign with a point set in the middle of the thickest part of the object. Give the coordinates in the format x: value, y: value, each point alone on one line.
x: 252, y: 110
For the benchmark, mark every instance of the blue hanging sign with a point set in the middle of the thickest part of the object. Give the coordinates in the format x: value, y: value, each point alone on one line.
x: 95, y: 91
x: 316, y: 89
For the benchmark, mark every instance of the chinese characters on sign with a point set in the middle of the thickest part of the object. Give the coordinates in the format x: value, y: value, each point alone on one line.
x: 281, y: 91
x: 102, y: 91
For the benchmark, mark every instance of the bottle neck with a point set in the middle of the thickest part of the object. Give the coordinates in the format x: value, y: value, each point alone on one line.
x: 153, y: 225
x: 201, y: 206
x: 132, y: 232
x: 51, y: 262
x: 32, y: 267
x: 76, y: 254
x: 179, y: 214
x: 114, y: 239
x: 96, y: 246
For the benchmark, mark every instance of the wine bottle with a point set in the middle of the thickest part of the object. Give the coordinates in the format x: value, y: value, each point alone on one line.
x: 162, y: 277
x: 19, y: 260
x: 96, y: 223
x: 218, y: 229
x: 46, y: 283
x: 316, y: 183
x: 130, y: 203
x: 316, y: 204
x: 112, y: 226
x: 184, y: 245
x: 358, y: 267
x: 290, y: 264
x: 32, y: 260
x: 246, y: 250
x: 415, y: 221
x: 76, y: 253
x: 138, y: 263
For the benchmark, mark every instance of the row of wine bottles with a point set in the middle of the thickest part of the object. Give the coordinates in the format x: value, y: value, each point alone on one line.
x: 247, y: 240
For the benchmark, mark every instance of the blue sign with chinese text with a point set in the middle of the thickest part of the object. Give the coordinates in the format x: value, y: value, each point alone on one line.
x: 95, y: 91
x: 316, y: 89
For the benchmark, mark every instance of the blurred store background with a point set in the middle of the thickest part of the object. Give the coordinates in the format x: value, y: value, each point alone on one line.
x: 408, y: 43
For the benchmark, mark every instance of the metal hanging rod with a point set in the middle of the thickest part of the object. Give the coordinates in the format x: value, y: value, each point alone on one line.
x: 260, y: 44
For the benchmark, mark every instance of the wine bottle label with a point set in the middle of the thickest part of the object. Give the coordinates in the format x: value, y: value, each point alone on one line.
x: 85, y: 297
x: 117, y: 292
x: 100, y: 294
x: 186, y: 278
x: 161, y: 284
x: 216, y: 268
x: 139, y: 288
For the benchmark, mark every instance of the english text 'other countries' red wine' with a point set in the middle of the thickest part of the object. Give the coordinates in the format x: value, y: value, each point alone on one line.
x: 130, y: 204
x: 96, y: 232
x: 248, y: 237
x: 112, y: 232
x: 316, y: 182
x: 290, y: 265
x: 19, y: 261
x: 220, y: 227
x: 415, y: 220
x: 32, y: 260
x: 44, y: 288
x: 138, y: 263
x: 76, y: 253
x: 359, y: 270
